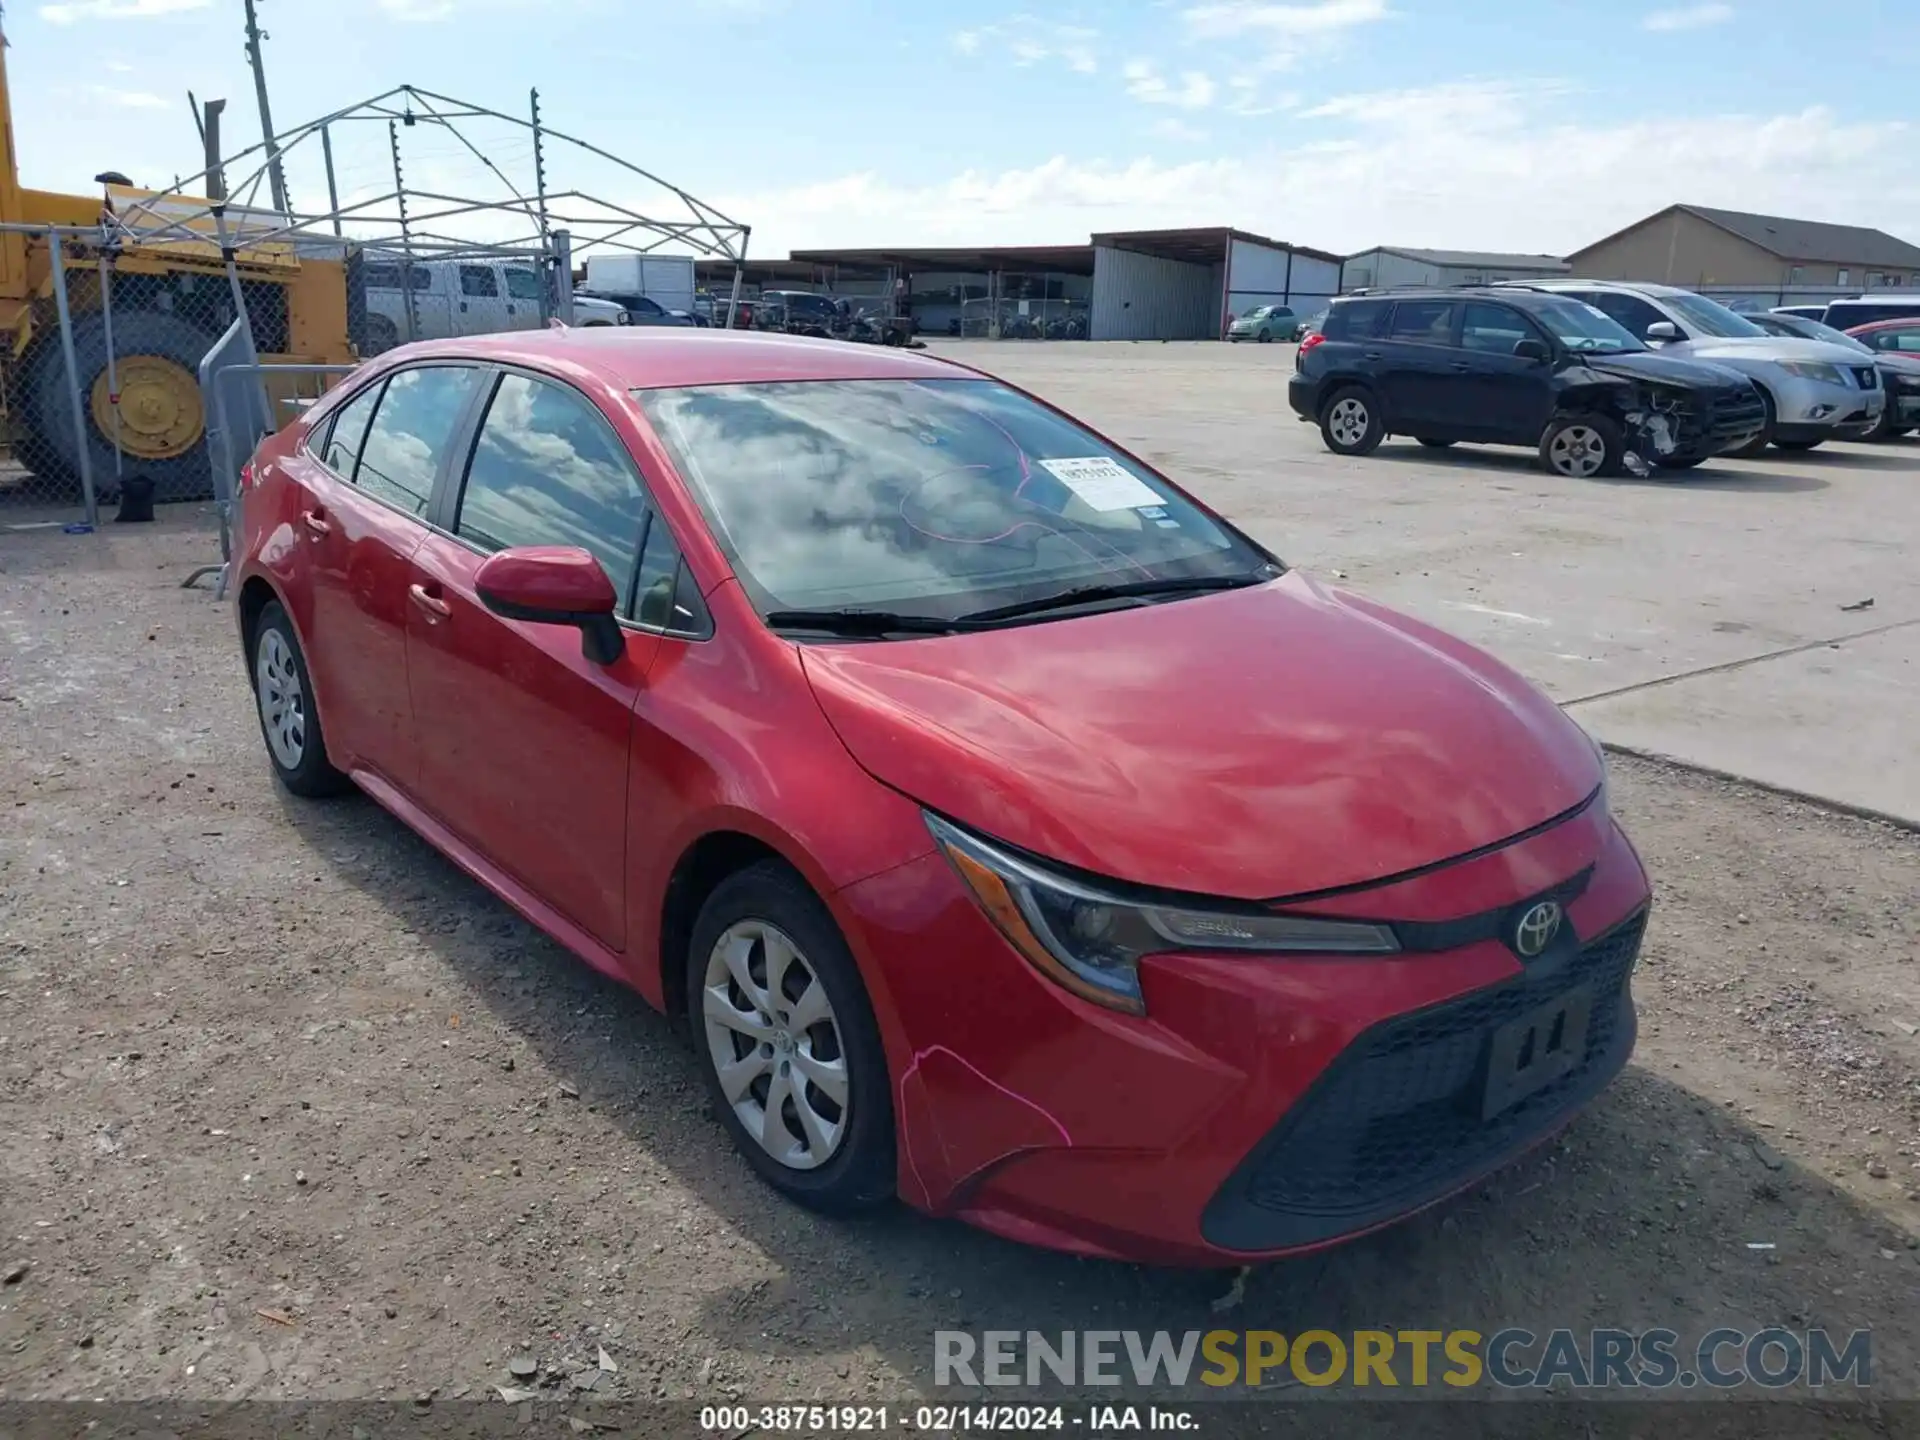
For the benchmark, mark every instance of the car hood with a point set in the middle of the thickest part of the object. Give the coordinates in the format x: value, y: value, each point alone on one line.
x: 1662, y: 368
x: 1888, y: 360
x: 1763, y: 349
x: 1257, y: 744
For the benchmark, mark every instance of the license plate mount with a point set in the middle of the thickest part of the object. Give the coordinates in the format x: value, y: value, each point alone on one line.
x: 1534, y: 1050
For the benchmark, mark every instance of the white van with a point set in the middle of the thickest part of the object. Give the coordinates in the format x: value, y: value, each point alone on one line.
x: 463, y: 297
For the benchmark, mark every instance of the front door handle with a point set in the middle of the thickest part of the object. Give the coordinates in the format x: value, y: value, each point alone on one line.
x: 1462, y: 366
x: 463, y: 307
x: 316, y: 522
x: 432, y: 604
x: 1371, y: 354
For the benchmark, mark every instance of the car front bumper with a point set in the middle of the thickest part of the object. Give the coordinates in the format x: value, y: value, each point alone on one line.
x: 1261, y: 1106
x: 1806, y: 409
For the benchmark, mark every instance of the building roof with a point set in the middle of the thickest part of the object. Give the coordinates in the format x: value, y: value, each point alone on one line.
x: 1469, y: 259
x: 1814, y: 240
x: 1198, y: 246
x: 1071, y: 259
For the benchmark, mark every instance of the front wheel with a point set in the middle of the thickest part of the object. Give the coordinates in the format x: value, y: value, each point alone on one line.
x: 1350, y: 422
x: 283, y: 696
x: 1264, y: 336
x: 1583, y: 447
x: 788, y: 1042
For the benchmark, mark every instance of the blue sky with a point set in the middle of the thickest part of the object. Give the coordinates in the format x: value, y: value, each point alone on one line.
x: 1335, y: 123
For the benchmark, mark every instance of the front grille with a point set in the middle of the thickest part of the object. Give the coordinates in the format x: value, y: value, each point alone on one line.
x: 1397, y: 1119
x: 1737, y: 413
x: 1866, y: 377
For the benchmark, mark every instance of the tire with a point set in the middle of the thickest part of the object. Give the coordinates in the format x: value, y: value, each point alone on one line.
x: 382, y: 335
x: 139, y: 333
x: 1583, y: 447
x: 757, y: 914
x: 1350, y: 422
x: 1800, y: 444
x: 1759, y: 442
x: 1264, y: 336
x: 1433, y: 444
x: 278, y: 668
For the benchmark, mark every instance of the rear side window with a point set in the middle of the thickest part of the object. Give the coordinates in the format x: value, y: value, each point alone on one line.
x: 387, y: 277
x: 1630, y: 310
x: 1356, y: 319
x: 478, y: 280
x: 1903, y: 341
x: 410, y: 434
x: 349, y: 429
x: 1845, y: 314
x: 549, y: 470
x: 1423, y: 322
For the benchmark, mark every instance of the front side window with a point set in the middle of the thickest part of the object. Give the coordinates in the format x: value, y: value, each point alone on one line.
x: 1492, y: 329
x: 1905, y: 342
x: 410, y: 433
x: 937, y: 499
x: 549, y: 470
x: 522, y: 284
x: 349, y: 429
x: 1709, y: 317
x: 478, y: 280
x: 1633, y: 314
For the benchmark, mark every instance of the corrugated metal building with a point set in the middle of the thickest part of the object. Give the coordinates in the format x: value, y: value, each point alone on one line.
x: 1190, y: 284
x: 1387, y: 265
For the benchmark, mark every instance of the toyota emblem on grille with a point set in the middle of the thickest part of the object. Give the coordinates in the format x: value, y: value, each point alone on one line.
x: 1536, y: 929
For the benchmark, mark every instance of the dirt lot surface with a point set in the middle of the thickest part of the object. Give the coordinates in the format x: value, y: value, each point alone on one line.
x: 290, y: 1108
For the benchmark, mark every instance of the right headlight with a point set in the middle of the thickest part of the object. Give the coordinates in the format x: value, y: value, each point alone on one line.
x: 1090, y: 939
x: 1814, y: 370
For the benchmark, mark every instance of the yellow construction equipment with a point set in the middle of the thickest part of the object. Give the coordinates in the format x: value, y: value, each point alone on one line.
x: 170, y: 300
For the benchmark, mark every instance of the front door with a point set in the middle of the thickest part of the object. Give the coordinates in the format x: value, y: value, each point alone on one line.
x: 1417, y: 368
x: 361, y: 524
x: 1505, y: 397
x: 482, y: 309
x: 525, y: 741
x: 523, y: 298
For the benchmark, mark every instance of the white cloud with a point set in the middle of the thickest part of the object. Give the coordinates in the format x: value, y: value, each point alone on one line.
x: 1690, y: 17
x: 1175, y: 129
x: 1030, y: 41
x: 418, y: 12
x: 1194, y: 90
x: 71, y: 11
x: 1494, y: 166
x: 131, y: 99
x: 1326, y: 17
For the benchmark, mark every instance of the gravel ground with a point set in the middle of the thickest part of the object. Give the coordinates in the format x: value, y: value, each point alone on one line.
x: 290, y: 1108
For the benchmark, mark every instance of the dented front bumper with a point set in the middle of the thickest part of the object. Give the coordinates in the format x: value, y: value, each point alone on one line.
x: 1667, y: 424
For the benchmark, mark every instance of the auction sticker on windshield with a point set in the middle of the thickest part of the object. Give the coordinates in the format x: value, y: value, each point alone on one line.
x: 1102, y: 483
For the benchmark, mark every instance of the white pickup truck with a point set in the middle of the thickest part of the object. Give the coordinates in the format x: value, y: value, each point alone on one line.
x: 462, y: 297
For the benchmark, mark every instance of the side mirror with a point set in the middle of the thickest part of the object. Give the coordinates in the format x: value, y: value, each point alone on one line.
x: 554, y: 585
x: 1664, y: 330
x: 1531, y: 349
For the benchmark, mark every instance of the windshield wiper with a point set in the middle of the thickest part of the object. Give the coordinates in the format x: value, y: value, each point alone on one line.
x: 864, y: 622
x: 1087, y: 594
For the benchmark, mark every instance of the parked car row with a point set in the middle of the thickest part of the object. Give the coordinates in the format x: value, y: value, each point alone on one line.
x: 1598, y: 377
x: 1892, y: 345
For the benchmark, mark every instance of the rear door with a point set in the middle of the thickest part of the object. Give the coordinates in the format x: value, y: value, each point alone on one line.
x: 524, y: 740
x: 1418, y: 367
x: 368, y: 496
x: 1498, y: 395
x: 481, y: 303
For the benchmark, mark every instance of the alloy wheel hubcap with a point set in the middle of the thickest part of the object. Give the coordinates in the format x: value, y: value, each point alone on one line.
x: 1348, y: 422
x: 775, y: 1044
x: 1578, y: 451
x: 283, y: 711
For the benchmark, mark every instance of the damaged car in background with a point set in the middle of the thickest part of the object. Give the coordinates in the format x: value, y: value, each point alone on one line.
x: 1500, y: 367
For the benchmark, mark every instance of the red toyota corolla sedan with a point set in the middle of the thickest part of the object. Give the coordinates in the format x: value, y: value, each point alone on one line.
x: 1015, y: 835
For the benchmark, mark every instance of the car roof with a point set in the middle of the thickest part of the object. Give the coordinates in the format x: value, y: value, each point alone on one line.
x: 655, y: 357
x: 1516, y: 295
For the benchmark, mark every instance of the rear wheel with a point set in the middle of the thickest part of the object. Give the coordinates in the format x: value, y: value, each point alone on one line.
x: 160, y: 424
x: 1350, y: 421
x: 382, y: 335
x: 788, y: 1042
x: 1583, y: 447
x: 283, y: 696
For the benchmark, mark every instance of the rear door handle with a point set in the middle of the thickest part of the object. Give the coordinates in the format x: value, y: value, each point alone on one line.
x: 316, y: 522
x: 432, y: 604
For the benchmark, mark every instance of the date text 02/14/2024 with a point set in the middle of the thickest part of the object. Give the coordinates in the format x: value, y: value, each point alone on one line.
x: 941, y: 1419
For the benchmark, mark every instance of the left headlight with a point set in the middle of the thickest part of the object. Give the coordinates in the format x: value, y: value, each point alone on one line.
x: 1090, y: 940
x: 1814, y: 370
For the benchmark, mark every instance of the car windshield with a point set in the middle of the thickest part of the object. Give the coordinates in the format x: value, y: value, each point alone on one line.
x: 927, y: 498
x: 1579, y: 326
x: 1708, y: 317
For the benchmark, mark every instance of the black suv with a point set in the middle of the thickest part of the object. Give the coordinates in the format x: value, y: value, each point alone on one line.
x: 1504, y: 367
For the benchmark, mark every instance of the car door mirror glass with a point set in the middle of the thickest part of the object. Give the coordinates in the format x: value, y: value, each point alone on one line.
x: 1532, y: 349
x: 1664, y: 330
x: 554, y: 585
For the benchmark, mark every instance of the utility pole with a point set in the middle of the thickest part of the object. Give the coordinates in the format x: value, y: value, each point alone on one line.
x: 210, y: 146
x: 275, y: 175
